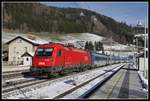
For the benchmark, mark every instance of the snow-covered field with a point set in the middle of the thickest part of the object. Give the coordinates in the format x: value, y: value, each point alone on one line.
x: 8, y: 36
x: 78, y: 39
x: 118, y: 47
x: 54, y: 88
x: 62, y: 37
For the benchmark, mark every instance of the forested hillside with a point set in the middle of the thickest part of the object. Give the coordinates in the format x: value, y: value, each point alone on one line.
x: 36, y: 17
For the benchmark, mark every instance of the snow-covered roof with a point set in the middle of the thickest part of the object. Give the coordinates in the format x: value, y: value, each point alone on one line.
x: 34, y: 42
x: 37, y: 41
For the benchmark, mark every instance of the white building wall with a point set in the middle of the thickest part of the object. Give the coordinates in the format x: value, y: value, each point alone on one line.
x: 27, y: 61
x: 16, y: 49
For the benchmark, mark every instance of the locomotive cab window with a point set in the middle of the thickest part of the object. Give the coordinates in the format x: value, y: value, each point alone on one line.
x: 48, y: 52
x: 44, y: 52
x: 59, y: 53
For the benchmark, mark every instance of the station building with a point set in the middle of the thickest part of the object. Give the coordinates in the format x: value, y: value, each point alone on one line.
x: 21, y: 49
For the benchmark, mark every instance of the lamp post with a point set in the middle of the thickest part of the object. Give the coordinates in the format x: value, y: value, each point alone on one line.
x: 139, y: 26
x: 144, y: 67
x: 134, y: 52
x: 145, y: 49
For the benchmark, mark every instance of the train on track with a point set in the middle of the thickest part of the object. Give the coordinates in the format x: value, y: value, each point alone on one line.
x: 59, y: 58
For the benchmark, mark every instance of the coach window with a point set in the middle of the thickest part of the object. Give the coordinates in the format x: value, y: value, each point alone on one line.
x: 59, y: 53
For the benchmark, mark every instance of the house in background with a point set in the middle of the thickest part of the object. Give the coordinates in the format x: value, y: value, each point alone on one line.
x: 20, y: 49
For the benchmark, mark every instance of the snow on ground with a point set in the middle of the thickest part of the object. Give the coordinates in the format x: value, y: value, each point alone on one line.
x: 61, y: 38
x: 82, y: 37
x: 14, y: 68
x: 46, y: 92
x: 17, y: 79
x: 39, y: 41
x: 88, y: 37
x: 117, y: 47
x: 90, y: 86
x: 144, y: 81
x: 81, y: 91
x: 8, y: 36
x: 78, y: 39
x: 55, y: 88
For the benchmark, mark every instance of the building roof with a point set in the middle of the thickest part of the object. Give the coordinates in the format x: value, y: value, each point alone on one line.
x: 33, y: 42
x: 27, y: 54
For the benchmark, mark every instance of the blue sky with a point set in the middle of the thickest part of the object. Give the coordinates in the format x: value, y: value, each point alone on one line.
x: 129, y: 12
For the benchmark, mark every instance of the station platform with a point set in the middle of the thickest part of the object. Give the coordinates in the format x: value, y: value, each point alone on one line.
x: 124, y: 84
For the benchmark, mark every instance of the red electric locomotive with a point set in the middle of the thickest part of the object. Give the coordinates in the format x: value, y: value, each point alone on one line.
x: 56, y: 57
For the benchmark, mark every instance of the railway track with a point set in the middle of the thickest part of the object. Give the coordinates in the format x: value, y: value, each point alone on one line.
x: 15, y: 74
x: 15, y: 86
x: 7, y: 72
x: 12, y: 87
x: 85, y: 83
x: 10, y: 82
x: 12, y: 74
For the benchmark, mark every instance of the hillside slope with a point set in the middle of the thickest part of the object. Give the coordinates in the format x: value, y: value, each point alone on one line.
x: 36, y: 17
